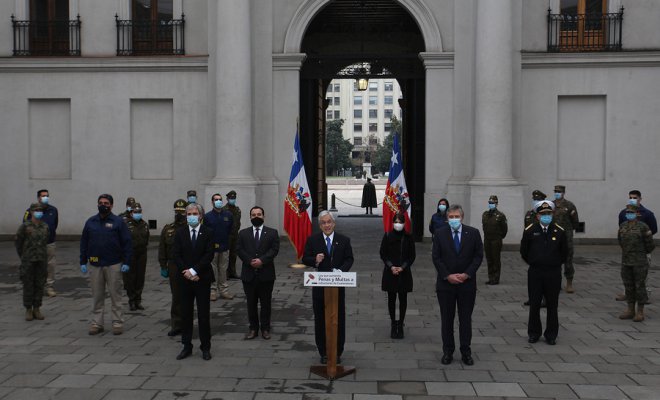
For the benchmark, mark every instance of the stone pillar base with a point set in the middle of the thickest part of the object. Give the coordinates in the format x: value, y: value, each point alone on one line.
x: 511, y: 197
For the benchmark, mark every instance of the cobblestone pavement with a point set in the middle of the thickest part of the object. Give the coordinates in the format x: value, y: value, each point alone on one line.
x: 597, y: 356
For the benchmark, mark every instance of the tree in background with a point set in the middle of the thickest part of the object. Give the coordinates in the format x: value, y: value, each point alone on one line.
x: 337, y: 149
x: 383, y: 155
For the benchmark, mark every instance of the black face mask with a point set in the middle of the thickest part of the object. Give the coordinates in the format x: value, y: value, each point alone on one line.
x: 103, y: 209
x: 257, y: 221
x: 179, y: 218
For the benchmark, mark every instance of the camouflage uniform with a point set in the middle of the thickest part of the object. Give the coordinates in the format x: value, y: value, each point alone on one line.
x: 134, y: 278
x: 233, y: 235
x: 167, y: 264
x: 495, y: 228
x: 566, y: 216
x: 636, y: 242
x: 31, y: 241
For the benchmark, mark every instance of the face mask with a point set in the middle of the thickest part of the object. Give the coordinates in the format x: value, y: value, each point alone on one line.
x: 631, y: 216
x: 217, y: 203
x: 398, y: 226
x: 455, y: 223
x: 492, y: 206
x: 193, y: 220
x: 546, y: 219
x: 103, y: 209
x: 257, y: 221
x: 557, y: 196
x: 192, y: 199
x: 129, y: 209
x: 632, y: 202
x: 137, y: 216
x: 231, y: 201
x: 44, y: 200
x: 38, y: 214
x: 442, y: 208
x: 179, y: 218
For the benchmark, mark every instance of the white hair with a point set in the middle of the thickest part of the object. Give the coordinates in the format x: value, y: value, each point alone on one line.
x: 198, y: 206
x: 326, y: 212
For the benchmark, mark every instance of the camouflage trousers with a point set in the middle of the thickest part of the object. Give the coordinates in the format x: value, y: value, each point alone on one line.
x: 33, y: 276
x: 492, y: 249
x: 634, y: 280
x: 569, y: 270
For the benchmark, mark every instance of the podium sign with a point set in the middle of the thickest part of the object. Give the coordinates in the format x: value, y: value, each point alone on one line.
x: 331, y: 282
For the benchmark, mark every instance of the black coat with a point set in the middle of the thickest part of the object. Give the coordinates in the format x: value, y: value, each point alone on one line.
x: 541, y: 250
x: 340, y: 258
x: 397, y: 249
x: 447, y: 261
x: 198, y: 257
x: 269, y: 246
x: 369, y: 195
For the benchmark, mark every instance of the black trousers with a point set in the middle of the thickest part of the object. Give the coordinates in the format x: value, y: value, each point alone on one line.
x: 543, y: 282
x: 258, y: 292
x: 450, y: 298
x: 134, y: 278
x: 175, y: 283
x: 318, y: 304
x: 199, y: 292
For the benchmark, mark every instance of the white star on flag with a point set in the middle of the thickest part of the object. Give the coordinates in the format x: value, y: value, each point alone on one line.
x: 295, y: 156
x: 393, y: 159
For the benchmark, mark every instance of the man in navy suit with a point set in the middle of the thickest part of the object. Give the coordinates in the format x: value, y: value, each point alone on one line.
x: 193, y: 253
x: 457, y: 254
x: 328, y: 251
x: 257, y: 247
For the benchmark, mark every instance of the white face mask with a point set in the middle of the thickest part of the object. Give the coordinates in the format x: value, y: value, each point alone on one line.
x: 398, y: 226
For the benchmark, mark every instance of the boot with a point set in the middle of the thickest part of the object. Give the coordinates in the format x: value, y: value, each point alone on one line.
x: 639, y: 317
x: 569, y: 286
x: 399, y: 331
x: 37, y: 314
x: 393, y: 332
x: 28, y: 314
x: 629, y: 313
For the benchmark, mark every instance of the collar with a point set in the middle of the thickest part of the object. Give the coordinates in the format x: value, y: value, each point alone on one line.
x: 196, y: 228
x: 331, y: 236
x: 459, y: 230
x: 254, y: 229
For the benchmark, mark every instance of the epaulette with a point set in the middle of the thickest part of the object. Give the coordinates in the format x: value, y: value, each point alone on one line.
x: 529, y: 226
x: 559, y: 226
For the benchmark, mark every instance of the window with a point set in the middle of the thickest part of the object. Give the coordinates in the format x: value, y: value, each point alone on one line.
x: 357, y: 127
x: 357, y: 100
x: 389, y: 86
x: 328, y: 114
x: 388, y: 126
x: 373, y: 127
x: 336, y: 101
x: 357, y: 114
x: 357, y: 141
x: 337, y: 114
x: 584, y: 25
x: 373, y: 100
x: 48, y: 32
x: 337, y: 87
x: 373, y: 140
x: 373, y: 86
x: 356, y: 155
x: 373, y: 113
x: 152, y: 29
x: 388, y: 113
x: 389, y: 100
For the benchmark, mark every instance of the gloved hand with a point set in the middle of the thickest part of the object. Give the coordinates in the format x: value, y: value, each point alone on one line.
x: 125, y: 268
x: 164, y: 272
x: 83, y: 268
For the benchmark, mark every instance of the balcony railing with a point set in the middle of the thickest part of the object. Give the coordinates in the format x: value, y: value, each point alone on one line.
x: 46, y: 38
x: 152, y: 37
x: 584, y: 32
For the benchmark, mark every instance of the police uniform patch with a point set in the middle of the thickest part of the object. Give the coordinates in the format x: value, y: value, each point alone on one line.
x: 108, y: 225
x: 93, y: 259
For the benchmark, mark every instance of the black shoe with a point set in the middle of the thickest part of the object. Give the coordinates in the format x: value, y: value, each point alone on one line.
x: 250, y: 335
x: 532, y: 339
x: 139, y: 306
x: 551, y: 342
x: 324, y: 359
x: 265, y: 334
x: 492, y: 283
x: 399, y: 330
x: 467, y: 359
x: 174, y: 332
x: 184, y: 354
x: 393, y: 331
x: 446, y: 359
x: 206, y: 355
x: 526, y: 303
x: 131, y: 306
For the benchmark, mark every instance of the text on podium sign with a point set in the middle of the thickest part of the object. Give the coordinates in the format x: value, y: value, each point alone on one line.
x: 330, y: 279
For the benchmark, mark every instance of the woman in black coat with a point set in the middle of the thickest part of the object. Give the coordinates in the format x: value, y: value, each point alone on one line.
x: 397, y: 250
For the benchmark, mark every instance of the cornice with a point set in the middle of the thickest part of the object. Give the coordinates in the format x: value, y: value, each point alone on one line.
x: 104, y: 64
x: 621, y: 59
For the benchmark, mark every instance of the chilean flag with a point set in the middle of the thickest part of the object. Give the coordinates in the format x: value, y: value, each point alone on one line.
x: 396, y: 193
x: 298, y: 203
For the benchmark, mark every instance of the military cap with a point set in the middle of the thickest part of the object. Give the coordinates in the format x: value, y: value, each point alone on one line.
x: 137, y: 206
x: 36, y: 207
x: 492, y: 198
x: 180, y: 205
x: 191, y: 193
x: 130, y: 201
x: 545, y: 206
x: 231, y: 194
x: 538, y: 195
x: 632, y: 207
x: 560, y: 188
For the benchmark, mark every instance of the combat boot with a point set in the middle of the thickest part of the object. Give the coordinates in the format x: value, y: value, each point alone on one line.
x: 37, y: 314
x: 639, y: 317
x: 629, y: 313
x: 28, y: 314
x: 569, y: 286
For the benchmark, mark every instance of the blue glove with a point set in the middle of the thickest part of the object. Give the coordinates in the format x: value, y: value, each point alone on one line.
x: 164, y: 272
x: 124, y: 268
x: 83, y: 268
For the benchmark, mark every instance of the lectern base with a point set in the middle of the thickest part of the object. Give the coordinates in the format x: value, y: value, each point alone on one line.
x: 323, y: 371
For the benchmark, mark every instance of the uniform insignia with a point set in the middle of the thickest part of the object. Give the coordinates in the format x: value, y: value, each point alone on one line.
x: 559, y: 226
x: 554, y: 238
x: 94, y: 259
x: 108, y: 225
x: 529, y: 226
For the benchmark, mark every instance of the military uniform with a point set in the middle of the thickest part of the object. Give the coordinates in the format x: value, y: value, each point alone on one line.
x: 233, y: 235
x: 31, y: 240
x: 636, y: 241
x: 130, y: 203
x: 168, y: 266
x: 191, y: 195
x: 566, y: 216
x: 134, y: 278
x: 495, y: 228
x: 530, y: 216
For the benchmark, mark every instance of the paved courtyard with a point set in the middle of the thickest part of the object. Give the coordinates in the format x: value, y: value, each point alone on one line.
x: 597, y: 356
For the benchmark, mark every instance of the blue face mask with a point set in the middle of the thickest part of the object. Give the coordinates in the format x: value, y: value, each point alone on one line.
x: 631, y: 216
x: 137, y: 216
x: 557, y: 196
x: 193, y: 220
x: 492, y: 206
x: 633, y: 202
x: 454, y: 223
x: 38, y: 214
x: 192, y: 199
x: 128, y: 208
x: 231, y: 201
x: 546, y: 219
x: 217, y: 203
x: 44, y: 200
x: 442, y: 208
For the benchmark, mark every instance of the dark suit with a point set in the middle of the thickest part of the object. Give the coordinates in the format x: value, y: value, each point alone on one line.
x: 258, y: 282
x: 199, y: 258
x: 341, y: 257
x: 450, y: 296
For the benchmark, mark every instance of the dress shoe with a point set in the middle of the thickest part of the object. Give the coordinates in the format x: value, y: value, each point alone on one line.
x: 184, y: 354
x: 324, y: 359
x: 251, y: 335
x: 206, y: 355
x: 467, y: 359
x: 131, y: 306
x: 265, y: 334
x: 174, y: 332
x: 139, y: 306
x: 532, y: 339
x: 446, y: 359
x: 551, y: 342
x: 526, y: 303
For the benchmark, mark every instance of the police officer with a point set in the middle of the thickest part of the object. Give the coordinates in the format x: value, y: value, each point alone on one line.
x: 134, y: 278
x: 31, y: 242
x: 530, y: 216
x: 51, y: 218
x: 191, y: 195
x: 544, y: 248
x: 566, y: 216
x: 168, y: 267
x: 636, y: 240
x: 220, y: 221
x: 233, y: 236
x: 130, y: 203
x: 495, y: 228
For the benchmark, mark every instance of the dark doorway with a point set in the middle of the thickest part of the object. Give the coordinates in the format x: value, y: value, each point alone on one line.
x: 385, y: 39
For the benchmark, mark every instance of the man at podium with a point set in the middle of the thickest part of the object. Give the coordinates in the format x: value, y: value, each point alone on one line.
x: 328, y: 251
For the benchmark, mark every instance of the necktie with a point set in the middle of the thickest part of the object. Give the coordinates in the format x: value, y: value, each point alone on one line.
x: 328, y: 244
x: 457, y: 242
x: 194, y: 237
x: 256, y: 237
